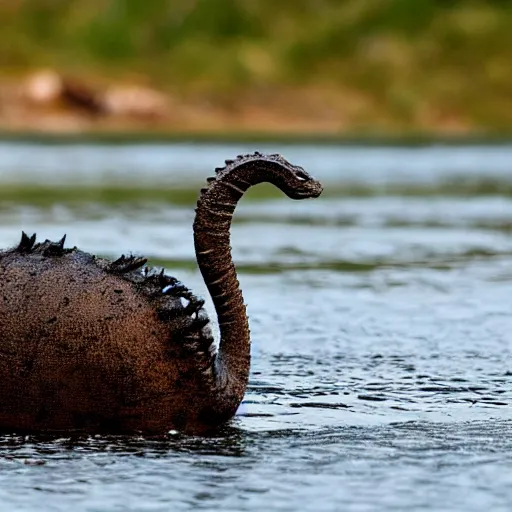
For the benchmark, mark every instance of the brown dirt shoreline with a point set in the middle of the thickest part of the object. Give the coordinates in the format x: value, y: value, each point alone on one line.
x: 46, y: 103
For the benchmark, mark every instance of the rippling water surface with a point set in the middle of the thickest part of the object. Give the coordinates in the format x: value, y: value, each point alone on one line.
x: 381, y: 317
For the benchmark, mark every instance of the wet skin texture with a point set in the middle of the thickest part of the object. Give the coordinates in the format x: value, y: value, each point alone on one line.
x: 89, y: 345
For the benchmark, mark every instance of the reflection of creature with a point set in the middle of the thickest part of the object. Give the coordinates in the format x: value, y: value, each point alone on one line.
x: 92, y: 345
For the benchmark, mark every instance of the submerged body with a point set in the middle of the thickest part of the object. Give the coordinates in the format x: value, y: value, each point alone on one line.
x: 88, y: 345
x: 87, y: 348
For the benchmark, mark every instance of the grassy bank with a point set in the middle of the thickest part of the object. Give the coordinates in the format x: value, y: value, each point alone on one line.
x: 347, y: 66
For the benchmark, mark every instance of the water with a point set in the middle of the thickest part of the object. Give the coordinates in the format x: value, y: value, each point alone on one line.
x: 380, y: 314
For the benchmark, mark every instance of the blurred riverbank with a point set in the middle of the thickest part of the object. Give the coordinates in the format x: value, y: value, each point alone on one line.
x: 329, y: 68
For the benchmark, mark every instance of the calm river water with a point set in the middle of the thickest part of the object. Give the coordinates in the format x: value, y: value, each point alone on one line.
x: 381, y: 317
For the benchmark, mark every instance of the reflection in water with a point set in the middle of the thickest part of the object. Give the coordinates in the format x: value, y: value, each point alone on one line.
x: 413, y: 464
x: 229, y: 441
x: 380, y: 317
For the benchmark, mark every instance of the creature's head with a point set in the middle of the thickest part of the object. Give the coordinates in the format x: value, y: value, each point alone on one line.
x: 301, y: 185
x: 251, y: 169
x: 293, y: 180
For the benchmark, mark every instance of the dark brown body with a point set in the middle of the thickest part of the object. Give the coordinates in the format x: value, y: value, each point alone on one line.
x: 85, y: 349
x: 88, y: 345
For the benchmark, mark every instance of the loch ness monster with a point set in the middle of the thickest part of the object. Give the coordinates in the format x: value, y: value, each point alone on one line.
x: 93, y: 346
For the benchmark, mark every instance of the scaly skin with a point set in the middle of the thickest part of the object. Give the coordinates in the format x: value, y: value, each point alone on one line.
x: 93, y: 346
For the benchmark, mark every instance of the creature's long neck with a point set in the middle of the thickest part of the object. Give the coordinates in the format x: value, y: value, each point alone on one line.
x: 214, y: 212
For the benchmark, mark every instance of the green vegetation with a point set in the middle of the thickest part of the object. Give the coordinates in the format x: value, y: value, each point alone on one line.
x: 384, y: 64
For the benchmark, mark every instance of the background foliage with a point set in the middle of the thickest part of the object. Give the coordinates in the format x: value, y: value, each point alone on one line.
x: 402, y: 57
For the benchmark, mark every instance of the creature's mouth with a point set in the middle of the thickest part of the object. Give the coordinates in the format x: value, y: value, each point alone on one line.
x: 309, y: 192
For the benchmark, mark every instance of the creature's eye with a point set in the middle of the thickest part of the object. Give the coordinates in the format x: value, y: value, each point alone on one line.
x: 302, y: 176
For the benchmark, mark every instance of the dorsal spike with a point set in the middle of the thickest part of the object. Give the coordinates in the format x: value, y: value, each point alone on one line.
x: 198, y: 323
x: 177, y: 289
x: 124, y: 265
x: 24, y: 238
x: 26, y: 243
x: 219, y: 169
x: 194, y: 305
x: 61, y: 242
x: 210, y: 179
x: 50, y: 249
x: 161, y: 278
x: 165, y: 280
x: 119, y: 260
